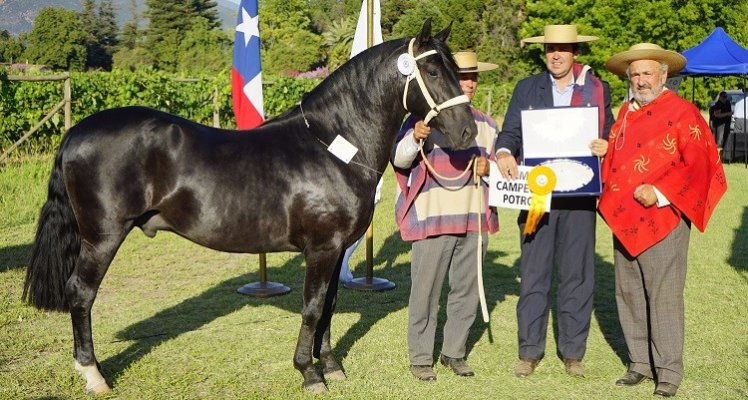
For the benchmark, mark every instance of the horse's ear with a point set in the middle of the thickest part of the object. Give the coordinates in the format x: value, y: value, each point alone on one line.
x: 425, y: 35
x: 444, y: 34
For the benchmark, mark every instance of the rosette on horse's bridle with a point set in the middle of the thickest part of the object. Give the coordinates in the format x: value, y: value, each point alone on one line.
x: 541, y: 180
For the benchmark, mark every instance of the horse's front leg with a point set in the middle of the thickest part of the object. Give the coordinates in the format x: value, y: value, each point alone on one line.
x: 320, y: 290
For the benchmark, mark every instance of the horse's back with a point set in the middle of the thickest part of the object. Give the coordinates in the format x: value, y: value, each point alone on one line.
x: 261, y: 191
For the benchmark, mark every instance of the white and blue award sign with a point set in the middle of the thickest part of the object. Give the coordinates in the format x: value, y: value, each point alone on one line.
x: 559, y: 138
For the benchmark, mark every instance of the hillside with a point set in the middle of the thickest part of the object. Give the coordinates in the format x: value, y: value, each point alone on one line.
x: 18, y: 16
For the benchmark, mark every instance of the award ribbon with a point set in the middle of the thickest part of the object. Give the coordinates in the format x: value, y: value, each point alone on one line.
x: 541, y: 180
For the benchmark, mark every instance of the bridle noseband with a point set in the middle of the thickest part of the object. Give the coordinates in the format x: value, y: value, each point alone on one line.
x: 435, y: 108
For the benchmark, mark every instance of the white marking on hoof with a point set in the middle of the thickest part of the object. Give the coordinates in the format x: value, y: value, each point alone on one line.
x: 95, y: 382
x: 337, y: 375
x: 317, y: 388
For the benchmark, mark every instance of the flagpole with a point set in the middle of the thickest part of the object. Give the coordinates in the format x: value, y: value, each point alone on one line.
x: 250, y: 114
x: 370, y: 282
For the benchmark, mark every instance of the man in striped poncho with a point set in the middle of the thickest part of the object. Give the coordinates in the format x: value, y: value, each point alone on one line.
x: 440, y: 215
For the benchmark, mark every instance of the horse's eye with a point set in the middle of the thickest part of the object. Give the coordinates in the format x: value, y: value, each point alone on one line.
x: 432, y: 73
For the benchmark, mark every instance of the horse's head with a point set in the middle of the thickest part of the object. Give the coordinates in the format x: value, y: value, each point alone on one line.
x: 437, y: 96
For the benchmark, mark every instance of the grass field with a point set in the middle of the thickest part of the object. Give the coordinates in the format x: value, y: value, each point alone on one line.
x: 168, y: 323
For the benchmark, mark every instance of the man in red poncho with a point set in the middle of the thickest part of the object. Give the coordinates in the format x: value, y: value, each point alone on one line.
x: 662, y: 172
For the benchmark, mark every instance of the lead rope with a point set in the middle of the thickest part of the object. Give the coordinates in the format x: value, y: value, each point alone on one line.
x: 479, y: 255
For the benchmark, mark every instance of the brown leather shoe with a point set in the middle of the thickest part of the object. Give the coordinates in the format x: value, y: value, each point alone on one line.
x: 631, y: 378
x: 423, y: 372
x: 525, y: 367
x: 665, y: 389
x: 458, y: 365
x: 574, y: 367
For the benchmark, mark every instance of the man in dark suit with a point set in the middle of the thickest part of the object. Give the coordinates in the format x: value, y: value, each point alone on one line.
x: 566, y: 235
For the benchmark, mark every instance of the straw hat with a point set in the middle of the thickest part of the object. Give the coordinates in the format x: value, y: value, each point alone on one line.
x: 645, y: 51
x: 559, y: 34
x: 467, y: 62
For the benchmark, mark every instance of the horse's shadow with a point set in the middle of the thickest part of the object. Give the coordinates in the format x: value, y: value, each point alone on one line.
x: 500, y: 281
x: 222, y: 299
x: 13, y: 257
x: 606, y: 311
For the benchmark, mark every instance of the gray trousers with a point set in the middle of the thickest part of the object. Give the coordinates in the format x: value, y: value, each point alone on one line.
x: 431, y: 259
x: 649, y: 295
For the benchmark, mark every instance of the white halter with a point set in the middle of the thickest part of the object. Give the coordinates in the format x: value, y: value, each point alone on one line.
x: 435, y: 109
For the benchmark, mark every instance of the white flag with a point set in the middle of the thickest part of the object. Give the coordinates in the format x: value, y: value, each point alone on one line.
x: 359, y: 40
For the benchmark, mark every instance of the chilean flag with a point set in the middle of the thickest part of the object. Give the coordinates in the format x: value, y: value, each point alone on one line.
x: 246, y: 74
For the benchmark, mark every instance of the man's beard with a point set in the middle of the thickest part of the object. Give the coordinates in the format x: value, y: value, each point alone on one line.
x: 646, y: 98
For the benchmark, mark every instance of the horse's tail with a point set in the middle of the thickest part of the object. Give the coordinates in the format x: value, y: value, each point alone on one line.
x: 55, y: 249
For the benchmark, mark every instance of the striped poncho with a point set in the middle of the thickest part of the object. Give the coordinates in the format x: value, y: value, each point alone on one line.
x: 426, y: 206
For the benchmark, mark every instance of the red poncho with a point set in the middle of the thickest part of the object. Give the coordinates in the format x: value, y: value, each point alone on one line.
x: 665, y: 143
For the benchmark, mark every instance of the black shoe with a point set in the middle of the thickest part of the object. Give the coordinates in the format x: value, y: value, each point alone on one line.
x: 423, y: 372
x: 665, y: 389
x: 631, y: 378
x: 458, y: 365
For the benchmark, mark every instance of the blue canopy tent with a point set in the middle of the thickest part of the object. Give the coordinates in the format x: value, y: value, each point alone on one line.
x: 719, y: 55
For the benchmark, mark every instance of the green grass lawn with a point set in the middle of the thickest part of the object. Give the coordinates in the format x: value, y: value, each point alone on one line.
x: 168, y: 323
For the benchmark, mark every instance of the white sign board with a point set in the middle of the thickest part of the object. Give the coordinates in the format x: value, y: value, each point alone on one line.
x: 559, y: 132
x: 510, y: 193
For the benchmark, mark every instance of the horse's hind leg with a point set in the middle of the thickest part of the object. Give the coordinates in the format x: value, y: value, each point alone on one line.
x: 316, y: 312
x: 81, y: 288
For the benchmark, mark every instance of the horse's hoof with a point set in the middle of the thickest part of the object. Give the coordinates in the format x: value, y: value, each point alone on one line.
x: 336, y: 375
x: 99, y: 389
x: 316, y: 388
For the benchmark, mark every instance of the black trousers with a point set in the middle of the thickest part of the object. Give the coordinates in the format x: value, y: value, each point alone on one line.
x: 564, y: 237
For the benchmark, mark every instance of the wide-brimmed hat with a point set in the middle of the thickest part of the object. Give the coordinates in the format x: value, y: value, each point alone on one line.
x: 559, y: 34
x: 467, y: 62
x: 645, y: 51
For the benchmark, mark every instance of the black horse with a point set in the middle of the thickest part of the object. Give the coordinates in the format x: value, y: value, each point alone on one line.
x: 275, y: 188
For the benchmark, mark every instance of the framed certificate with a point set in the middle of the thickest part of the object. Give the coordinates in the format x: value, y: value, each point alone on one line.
x: 559, y: 138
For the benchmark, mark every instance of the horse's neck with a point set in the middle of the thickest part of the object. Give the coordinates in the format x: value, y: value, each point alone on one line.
x: 365, y: 108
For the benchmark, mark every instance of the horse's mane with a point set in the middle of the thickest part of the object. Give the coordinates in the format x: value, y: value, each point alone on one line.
x: 354, y: 70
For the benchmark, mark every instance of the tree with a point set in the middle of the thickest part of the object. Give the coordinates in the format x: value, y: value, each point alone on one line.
x: 204, y: 50
x: 11, y: 48
x: 499, y: 40
x: 169, y: 21
x: 108, y: 32
x: 101, y: 33
x: 339, y: 41
x: 132, y: 54
x: 287, y: 40
x: 57, y: 40
x: 392, y: 11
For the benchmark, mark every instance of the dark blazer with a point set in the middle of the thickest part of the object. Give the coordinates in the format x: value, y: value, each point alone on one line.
x: 536, y: 92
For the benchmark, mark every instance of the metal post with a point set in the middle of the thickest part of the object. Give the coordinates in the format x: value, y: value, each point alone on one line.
x: 370, y: 283
x: 216, y: 108
x: 67, y: 94
x: 263, y: 288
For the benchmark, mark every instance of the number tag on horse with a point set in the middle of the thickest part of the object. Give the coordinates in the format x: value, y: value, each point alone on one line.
x: 342, y: 149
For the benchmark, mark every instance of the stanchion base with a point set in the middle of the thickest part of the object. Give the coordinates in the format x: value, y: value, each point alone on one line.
x: 375, y: 285
x: 264, y: 289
